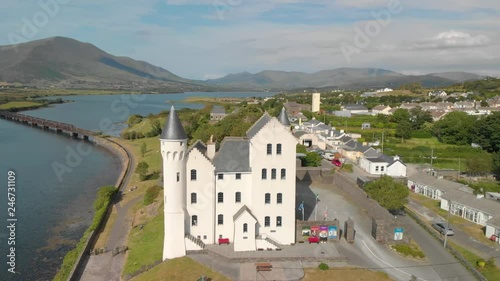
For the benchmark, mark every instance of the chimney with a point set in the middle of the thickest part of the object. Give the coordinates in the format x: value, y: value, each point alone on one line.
x: 211, y: 148
x: 396, y: 158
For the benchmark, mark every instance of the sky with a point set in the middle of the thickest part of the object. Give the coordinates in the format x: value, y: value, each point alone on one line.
x: 206, y: 39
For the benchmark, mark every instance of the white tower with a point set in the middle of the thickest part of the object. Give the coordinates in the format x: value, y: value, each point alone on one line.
x: 173, y: 151
x: 315, y: 102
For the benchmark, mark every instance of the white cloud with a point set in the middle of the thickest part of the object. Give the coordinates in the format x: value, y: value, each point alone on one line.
x: 451, y: 39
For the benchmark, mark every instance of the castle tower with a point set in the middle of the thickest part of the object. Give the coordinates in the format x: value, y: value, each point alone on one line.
x: 283, y: 118
x: 315, y: 102
x: 173, y: 151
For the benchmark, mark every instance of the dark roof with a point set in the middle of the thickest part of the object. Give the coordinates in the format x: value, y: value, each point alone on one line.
x: 233, y: 155
x: 173, y: 129
x: 241, y: 211
x: 217, y: 109
x: 198, y: 145
x: 345, y: 138
x: 258, y: 125
x: 482, y: 204
x: 355, y: 107
x: 283, y: 117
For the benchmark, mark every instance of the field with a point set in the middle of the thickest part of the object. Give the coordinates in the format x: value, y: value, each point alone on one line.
x: 19, y: 105
x: 344, y: 274
x: 181, y: 269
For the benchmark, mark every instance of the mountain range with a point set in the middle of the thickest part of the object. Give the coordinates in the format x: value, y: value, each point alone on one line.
x: 64, y: 62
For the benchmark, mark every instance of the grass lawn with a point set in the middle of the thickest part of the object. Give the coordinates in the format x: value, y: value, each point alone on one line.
x: 19, y: 104
x: 344, y: 274
x: 181, y: 269
x: 492, y: 274
x: 145, y: 246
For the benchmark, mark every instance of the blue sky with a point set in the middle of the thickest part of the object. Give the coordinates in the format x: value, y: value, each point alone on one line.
x: 201, y: 39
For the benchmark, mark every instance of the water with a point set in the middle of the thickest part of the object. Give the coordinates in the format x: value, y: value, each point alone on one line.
x: 54, y: 212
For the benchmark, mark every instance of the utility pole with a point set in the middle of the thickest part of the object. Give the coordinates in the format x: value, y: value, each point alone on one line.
x: 459, y: 168
x: 382, y: 142
x: 432, y: 158
x: 447, y: 224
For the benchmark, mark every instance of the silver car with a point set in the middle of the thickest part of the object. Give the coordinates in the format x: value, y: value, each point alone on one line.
x: 441, y: 228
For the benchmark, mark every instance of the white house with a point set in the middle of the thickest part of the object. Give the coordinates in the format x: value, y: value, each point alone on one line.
x: 493, y: 228
x: 434, y: 187
x: 383, y: 165
x: 381, y: 109
x: 469, y: 206
x: 243, y: 193
x: 437, y: 94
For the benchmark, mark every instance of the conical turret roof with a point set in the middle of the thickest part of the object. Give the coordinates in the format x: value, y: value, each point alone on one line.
x: 283, y: 117
x: 173, y: 129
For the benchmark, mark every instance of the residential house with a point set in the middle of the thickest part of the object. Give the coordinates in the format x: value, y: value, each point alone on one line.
x: 437, y: 114
x: 355, y: 108
x: 436, y: 94
x: 487, y: 110
x: 383, y: 165
x: 446, y: 106
x: 309, y: 139
x: 408, y: 105
x: 381, y: 109
x: 493, y: 229
x: 368, y: 94
x: 428, y: 105
x: 217, y: 113
x: 464, y: 104
x: 434, y: 187
x: 494, y: 102
x: 474, y: 208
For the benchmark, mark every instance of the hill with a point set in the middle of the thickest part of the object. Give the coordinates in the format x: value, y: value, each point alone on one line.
x: 64, y: 62
x: 356, y: 78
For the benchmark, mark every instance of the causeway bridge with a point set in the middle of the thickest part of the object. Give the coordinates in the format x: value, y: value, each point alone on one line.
x: 47, y: 124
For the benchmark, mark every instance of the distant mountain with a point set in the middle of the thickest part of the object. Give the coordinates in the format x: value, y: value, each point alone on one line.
x: 340, y: 77
x: 459, y: 76
x: 63, y: 61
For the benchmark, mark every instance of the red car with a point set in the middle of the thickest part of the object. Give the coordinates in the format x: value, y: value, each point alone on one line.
x: 336, y: 162
x: 313, y: 239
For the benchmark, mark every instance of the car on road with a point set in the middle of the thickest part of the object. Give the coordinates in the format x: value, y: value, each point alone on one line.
x: 441, y: 228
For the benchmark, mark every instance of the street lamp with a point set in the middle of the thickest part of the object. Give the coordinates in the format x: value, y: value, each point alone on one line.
x: 447, y: 224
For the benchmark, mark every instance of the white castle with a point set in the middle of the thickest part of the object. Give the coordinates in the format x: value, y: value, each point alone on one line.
x: 244, y: 193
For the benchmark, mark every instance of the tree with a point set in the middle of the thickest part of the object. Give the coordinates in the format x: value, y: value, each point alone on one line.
x: 301, y: 149
x: 419, y: 117
x: 399, y: 115
x: 144, y: 149
x: 142, y: 170
x: 496, y: 164
x: 403, y: 130
x: 388, y: 193
x: 486, y: 132
x: 312, y: 159
x: 480, y: 165
x: 455, y: 128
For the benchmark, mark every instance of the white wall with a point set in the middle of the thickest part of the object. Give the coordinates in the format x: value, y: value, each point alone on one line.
x: 244, y: 241
x: 229, y: 186
x: 491, y: 230
x: 204, y: 187
x: 397, y: 169
x: 316, y: 100
x: 274, y: 133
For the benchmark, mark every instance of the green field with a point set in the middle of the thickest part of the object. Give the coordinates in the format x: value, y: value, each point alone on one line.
x: 19, y: 105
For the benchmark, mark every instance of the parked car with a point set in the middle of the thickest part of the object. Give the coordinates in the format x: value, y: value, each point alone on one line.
x: 328, y: 156
x: 441, y: 228
x: 337, y: 162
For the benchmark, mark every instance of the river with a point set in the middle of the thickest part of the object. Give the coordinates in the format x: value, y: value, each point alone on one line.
x: 53, y: 210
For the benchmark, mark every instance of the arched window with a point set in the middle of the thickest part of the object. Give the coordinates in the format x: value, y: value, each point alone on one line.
x: 220, y: 197
x: 273, y: 174
x: 278, y: 221
x: 267, y: 221
x: 279, y: 198
x: 194, y: 220
x: 245, y: 227
x: 193, y: 174
x: 264, y: 174
x: 220, y: 219
x: 194, y: 198
x: 283, y: 174
x: 237, y: 197
x: 267, y: 198
x: 278, y: 149
x: 269, y: 149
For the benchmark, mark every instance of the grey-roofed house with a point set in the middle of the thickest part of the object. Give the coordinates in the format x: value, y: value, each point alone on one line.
x: 356, y: 108
x: 492, y: 231
x: 434, y: 187
x: 382, y: 164
x: 217, y: 113
x: 258, y: 125
x: 471, y: 207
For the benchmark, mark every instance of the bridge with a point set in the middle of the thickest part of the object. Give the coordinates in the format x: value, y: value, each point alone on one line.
x: 47, y: 124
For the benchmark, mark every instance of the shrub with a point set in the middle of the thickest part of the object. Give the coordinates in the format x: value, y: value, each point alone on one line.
x: 347, y: 167
x: 421, y: 135
x: 323, y: 266
x: 490, y: 263
x: 481, y: 263
x: 151, y: 194
x: 408, y: 250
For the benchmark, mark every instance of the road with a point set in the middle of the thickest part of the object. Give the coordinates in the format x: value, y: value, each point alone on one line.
x: 366, y: 252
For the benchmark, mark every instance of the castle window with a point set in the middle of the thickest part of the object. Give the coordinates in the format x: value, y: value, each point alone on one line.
x: 178, y: 176
x: 220, y: 197
x: 273, y: 174
x: 267, y: 221
x: 279, y: 198
x: 245, y: 227
x: 381, y: 168
x: 220, y: 176
x: 237, y: 197
x: 194, y: 198
x: 269, y: 149
x: 238, y: 176
x: 267, y: 198
x: 283, y: 174
x: 193, y: 174
x: 278, y: 221
x: 264, y: 174
x: 220, y: 220
x: 194, y: 220
x: 278, y: 149
x: 376, y: 168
